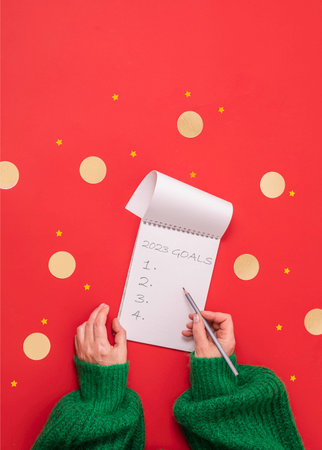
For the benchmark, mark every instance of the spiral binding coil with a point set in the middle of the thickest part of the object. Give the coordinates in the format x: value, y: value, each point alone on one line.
x: 157, y: 223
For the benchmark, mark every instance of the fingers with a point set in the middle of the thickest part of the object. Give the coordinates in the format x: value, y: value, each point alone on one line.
x: 221, y: 323
x: 214, y: 326
x: 89, y: 331
x: 120, y: 333
x: 99, y: 325
x: 199, y: 332
x: 187, y: 333
x: 218, y: 319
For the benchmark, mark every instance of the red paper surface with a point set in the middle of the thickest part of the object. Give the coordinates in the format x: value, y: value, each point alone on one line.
x: 61, y: 64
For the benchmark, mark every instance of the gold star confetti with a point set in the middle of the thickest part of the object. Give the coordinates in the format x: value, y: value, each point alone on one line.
x: 115, y: 97
x: 59, y: 233
x: 188, y: 94
x: 193, y: 175
x: 133, y: 153
x: 279, y: 327
x: 14, y: 383
x: 293, y: 378
x: 86, y: 286
x: 292, y: 193
x: 59, y: 142
x: 221, y: 109
x: 44, y: 321
x: 287, y: 270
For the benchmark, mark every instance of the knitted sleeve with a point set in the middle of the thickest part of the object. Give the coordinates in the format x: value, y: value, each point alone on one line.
x: 223, y: 411
x: 102, y: 414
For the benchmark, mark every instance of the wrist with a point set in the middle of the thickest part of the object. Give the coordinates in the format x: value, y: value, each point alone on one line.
x: 103, y: 386
x: 211, y: 377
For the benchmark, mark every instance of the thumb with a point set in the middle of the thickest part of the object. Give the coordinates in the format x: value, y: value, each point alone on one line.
x: 120, y: 333
x: 199, y: 332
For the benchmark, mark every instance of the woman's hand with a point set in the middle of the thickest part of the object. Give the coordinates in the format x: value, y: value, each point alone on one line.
x: 221, y: 324
x: 91, y: 340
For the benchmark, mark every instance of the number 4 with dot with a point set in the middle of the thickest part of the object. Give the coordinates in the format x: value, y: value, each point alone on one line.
x: 137, y: 315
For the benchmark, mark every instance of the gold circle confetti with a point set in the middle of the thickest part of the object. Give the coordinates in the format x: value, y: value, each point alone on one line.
x: 272, y: 184
x: 61, y: 264
x: 36, y: 346
x: 93, y: 169
x: 190, y: 124
x: 313, y: 321
x: 246, y: 267
x: 9, y: 175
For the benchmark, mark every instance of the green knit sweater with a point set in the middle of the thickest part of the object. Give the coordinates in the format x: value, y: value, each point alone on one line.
x: 219, y: 411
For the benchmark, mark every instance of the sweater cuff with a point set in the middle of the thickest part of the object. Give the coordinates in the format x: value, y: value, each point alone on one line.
x: 103, y: 386
x: 211, y: 377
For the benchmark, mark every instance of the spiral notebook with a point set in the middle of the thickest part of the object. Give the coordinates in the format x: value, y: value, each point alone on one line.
x: 176, y: 246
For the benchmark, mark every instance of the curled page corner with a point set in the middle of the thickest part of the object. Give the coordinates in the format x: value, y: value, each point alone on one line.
x: 141, y: 199
x: 163, y: 200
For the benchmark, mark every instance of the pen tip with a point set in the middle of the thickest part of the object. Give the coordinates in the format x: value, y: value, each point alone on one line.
x: 184, y: 290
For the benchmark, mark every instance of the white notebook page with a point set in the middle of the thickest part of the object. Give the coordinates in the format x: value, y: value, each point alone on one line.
x: 176, y: 247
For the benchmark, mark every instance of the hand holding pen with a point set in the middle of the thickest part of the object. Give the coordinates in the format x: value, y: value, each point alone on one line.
x: 218, y: 340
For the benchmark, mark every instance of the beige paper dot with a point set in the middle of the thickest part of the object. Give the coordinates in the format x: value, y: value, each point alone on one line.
x: 272, y: 184
x: 93, y: 169
x: 61, y: 264
x: 9, y: 175
x: 36, y: 346
x: 313, y: 321
x: 246, y: 267
x: 190, y: 124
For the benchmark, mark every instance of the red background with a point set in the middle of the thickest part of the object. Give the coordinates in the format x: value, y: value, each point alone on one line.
x: 61, y: 63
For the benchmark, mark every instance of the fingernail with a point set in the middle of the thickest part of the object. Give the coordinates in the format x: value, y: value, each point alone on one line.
x: 103, y: 305
x: 196, y: 318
